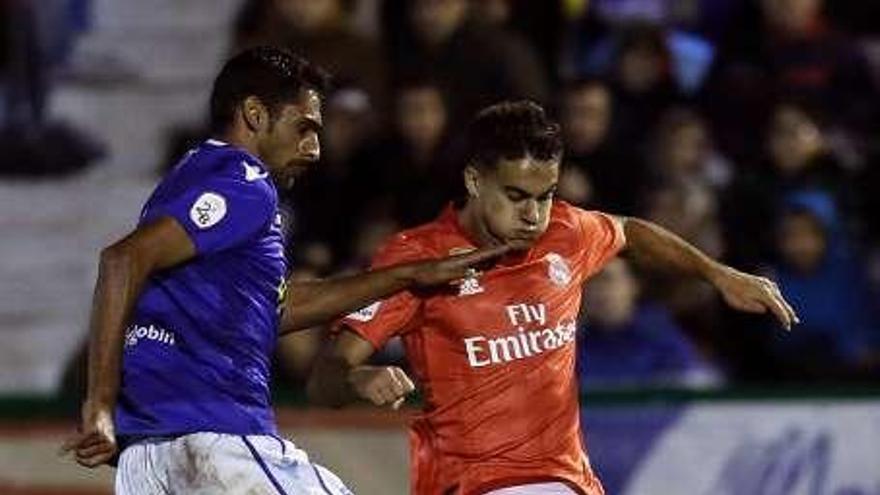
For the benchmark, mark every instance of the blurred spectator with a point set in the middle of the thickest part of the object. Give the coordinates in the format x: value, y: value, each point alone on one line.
x: 683, y: 197
x: 798, y: 158
x: 372, y: 232
x: 826, y: 284
x: 643, y: 82
x: 349, y: 124
x: 411, y: 173
x: 626, y: 342
x: 476, y: 64
x: 597, y: 39
x: 598, y: 172
x: 684, y: 152
x: 36, y: 43
x: 794, y: 52
x: 319, y: 29
x: 536, y: 22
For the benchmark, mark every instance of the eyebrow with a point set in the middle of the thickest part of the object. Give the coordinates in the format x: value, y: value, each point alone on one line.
x: 524, y: 193
x: 311, y: 123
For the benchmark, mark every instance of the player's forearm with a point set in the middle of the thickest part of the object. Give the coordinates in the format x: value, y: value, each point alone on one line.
x: 656, y: 248
x: 119, y: 282
x: 316, y: 302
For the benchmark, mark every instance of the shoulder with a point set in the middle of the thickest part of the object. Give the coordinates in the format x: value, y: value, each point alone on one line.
x: 233, y: 170
x: 564, y: 215
x: 218, y: 179
x: 428, y: 240
x: 567, y: 217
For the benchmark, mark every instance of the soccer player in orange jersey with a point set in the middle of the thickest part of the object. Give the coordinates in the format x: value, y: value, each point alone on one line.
x: 495, y: 353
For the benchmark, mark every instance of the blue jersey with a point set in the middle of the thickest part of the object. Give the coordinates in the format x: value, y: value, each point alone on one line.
x: 197, y: 352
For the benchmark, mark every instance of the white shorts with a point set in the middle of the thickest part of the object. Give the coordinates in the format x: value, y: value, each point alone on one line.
x: 214, y: 463
x: 554, y: 488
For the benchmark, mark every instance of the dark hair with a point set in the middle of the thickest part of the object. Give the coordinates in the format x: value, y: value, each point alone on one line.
x: 675, y: 119
x: 415, y: 79
x: 512, y: 130
x: 643, y: 36
x: 274, y: 75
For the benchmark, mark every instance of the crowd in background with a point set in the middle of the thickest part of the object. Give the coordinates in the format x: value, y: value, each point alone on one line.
x: 748, y: 127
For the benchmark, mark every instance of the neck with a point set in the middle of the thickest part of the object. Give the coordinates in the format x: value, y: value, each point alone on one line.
x: 239, y: 139
x: 470, y: 221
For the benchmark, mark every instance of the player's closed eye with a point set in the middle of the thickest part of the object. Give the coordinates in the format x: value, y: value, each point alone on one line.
x: 516, y: 195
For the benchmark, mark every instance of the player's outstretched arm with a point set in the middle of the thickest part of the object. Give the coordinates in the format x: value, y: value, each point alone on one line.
x: 123, y: 270
x: 654, y: 247
x: 315, y: 302
x: 340, y: 377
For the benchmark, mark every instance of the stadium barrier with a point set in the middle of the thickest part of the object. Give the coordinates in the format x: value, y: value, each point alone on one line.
x: 641, y: 443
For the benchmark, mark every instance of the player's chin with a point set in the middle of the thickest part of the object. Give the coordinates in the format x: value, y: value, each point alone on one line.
x: 288, y: 176
x: 521, y: 243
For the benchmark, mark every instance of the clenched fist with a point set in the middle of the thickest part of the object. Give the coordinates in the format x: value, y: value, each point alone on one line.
x: 95, y: 442
x: 381, y: 385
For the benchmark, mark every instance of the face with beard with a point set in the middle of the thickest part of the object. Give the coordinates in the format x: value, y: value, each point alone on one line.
x: 289, y: 144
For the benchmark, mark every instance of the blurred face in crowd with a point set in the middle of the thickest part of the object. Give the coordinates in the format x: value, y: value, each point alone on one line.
x: 421, y: 116
x: 512, y: 200
x: 435, y: 21
x: 681, y: 208
x: 640, y: 68
x: 372, y: 233
x: 610, y: 297
x: 347, y: 123
x: 684, y: 149
x: 794, y: 140
x: 575, y: 186
x: 801, y: 241
x: 791, y: 16
x: 308, y: 16
x: 586, y: 117
x: 494, y: 12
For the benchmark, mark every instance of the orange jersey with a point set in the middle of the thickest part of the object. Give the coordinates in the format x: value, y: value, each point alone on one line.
x: 495, y: 356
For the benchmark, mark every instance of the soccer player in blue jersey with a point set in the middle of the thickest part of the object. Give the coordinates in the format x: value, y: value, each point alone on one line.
x: 188, y: 307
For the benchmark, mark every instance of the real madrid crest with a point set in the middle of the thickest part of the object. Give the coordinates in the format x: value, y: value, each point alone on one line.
x: 557, y: 269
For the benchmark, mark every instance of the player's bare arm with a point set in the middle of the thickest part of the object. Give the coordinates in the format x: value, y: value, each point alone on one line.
x: 654, y: 247
x: 314, y: 302
x: 340, y: 377
x: 123, y: 270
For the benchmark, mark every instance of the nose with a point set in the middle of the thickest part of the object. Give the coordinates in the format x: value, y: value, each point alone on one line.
x: 310, y: 147
x: 529, y: 213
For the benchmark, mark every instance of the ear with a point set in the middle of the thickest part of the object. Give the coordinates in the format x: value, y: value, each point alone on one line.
x: 254, y: 113
x: 472, y: 181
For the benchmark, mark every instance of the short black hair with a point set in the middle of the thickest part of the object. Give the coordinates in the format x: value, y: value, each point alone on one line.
x: 274, y: 75
x: 512, y: 130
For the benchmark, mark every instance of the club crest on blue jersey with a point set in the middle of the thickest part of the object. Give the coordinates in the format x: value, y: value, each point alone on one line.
x: 208, y: 210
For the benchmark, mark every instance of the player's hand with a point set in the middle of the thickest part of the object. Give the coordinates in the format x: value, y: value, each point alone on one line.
x: 385, y: 386
x: 95, y: 442
x: 754, y: 294
x: 452, y: 268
